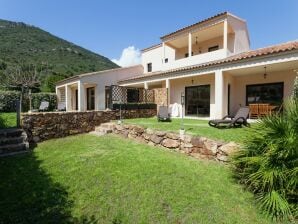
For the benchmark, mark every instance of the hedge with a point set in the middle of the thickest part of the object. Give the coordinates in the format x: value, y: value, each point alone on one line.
x: 134, y: 106
x: 8, y: 98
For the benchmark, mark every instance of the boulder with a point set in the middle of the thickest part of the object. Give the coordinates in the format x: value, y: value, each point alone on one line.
x: 209, y: 147
x: 229, y: 148
x: 173, y: 136
x: 160, y: 133
x: 138, y: 129
x: 151, y: 143
x: 186, y: 138
x: 222, y: 158
x: 146, y: 136
x: 149, y: 131
x: 198, y: 141
x: 156, y: 139
x: 170, y: 143
x: 119, y: 127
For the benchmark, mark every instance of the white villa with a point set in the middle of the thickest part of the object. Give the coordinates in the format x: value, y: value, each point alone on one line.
x: 210, y: 62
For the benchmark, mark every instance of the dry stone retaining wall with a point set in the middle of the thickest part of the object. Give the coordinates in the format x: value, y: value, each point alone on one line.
x: 44, y: 126
x: 198, y: 147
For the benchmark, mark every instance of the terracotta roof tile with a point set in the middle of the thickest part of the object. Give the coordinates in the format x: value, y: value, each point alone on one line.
x: 288, y: 46
x: 195, y: 24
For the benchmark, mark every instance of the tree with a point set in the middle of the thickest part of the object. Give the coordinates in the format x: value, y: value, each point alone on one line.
x: 22, y: 78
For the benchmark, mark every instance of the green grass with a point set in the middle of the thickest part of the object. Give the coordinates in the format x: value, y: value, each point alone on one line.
x: 194, y: 127
x: 8, y: 120
x: 109, y: 179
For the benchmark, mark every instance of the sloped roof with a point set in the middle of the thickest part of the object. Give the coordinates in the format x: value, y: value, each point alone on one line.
x: 288, y: 46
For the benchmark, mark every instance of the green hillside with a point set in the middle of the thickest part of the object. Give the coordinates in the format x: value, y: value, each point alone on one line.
x: 54, y: 57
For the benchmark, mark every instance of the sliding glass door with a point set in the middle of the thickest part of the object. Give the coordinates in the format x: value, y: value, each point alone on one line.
x: 197, y: 101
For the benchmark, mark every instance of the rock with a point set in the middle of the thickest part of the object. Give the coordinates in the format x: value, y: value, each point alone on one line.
x: 138, y: 129
x: 170, y: 143
x: 149, y: 131
x: 229, y: 148
x: 119, y: 127
x: 156, y: 139
x: 173, y: 136
x: 132, y: 136
x: 209, y: 147
x: 160, y: 133
x: 36, y: 139
x: 125, y: 134
x: 146, y: 136
x: 186, y: 138
x: 198, y: 141
x: 222, y: 158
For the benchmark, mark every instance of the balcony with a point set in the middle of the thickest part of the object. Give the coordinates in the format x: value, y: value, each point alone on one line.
x: 196, y: 59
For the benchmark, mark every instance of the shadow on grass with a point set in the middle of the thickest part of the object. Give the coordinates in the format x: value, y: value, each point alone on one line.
x: 29, y: 195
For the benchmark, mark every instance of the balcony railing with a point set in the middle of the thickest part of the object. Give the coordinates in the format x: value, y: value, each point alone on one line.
x: 196, y: 59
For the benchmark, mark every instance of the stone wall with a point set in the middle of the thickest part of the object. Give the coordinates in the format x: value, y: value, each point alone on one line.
x: 195, y: 146
x: 44, y: 126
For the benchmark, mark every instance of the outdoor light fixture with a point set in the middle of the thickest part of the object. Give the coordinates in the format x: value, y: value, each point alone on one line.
x: 196, y: 40
x: 182, y: 131
x: 192, y: 81
x: 265, y: 73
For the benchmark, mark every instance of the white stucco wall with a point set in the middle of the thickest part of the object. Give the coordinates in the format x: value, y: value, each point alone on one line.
x: 178, y: 85
x: 111, y: 77
x: 238, y: 85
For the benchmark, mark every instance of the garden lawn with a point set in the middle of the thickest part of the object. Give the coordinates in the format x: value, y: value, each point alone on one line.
x: 194, y: 127
x: 8, y: 120
x: 109, y: 179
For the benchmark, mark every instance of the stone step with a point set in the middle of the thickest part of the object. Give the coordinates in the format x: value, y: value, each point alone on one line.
x: 11, y: 148
x: 103, y: 130
x: 109, y: 125
x: 10, y: 132
x: 12, y: 140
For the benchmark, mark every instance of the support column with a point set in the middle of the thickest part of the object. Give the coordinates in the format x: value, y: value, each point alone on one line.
x: 225, y: 35
x: 219, y: 95
x: 145, y: 85
x: 163, y: 52
x: 68, y: 98
x: 81, y: 97
x: 168, y: 91
x: 189, y: 45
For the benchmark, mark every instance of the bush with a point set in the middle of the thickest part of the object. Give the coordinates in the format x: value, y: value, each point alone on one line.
x: 268, y: 165
x: 134, y: 106
x: 7, y: 100
x: 37, y: 98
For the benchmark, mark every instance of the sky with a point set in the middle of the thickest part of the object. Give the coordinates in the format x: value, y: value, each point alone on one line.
x: 119, y: 29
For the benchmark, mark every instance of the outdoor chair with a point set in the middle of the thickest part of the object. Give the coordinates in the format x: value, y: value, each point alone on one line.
x: 233, y: 121
x: 253, y: 110
x: 44, y: 106
x: 61, y: 106
x: 264, y: 110
x: 163, y: 114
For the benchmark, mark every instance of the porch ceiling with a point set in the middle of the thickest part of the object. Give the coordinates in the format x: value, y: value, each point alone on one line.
x: 285, y: 66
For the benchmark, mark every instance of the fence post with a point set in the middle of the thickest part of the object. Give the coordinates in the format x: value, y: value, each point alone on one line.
x: 18, y: 110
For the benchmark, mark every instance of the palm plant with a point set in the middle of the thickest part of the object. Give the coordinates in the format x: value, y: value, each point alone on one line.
x: 268, y: 165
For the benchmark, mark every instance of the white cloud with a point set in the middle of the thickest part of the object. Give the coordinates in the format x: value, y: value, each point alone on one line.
x: 130, y: 56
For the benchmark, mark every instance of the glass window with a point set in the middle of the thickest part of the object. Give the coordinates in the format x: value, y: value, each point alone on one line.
x: 149, y: 67
x: 271, y: 93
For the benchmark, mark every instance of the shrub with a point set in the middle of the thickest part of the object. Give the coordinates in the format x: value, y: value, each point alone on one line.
x: 37, y: 98
x: 7, y: 100
x: 134, y: 106
x: 268, y: 163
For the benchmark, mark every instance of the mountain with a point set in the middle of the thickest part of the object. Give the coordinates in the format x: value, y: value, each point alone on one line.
x: 53, y: 57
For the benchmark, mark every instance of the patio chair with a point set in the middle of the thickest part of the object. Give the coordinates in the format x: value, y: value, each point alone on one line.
x: 253, y: 110
x: 61, y: 106
x: 44, y: 106
x: 234, y: 121
x: 264, y: 110
x: 163, y: 114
